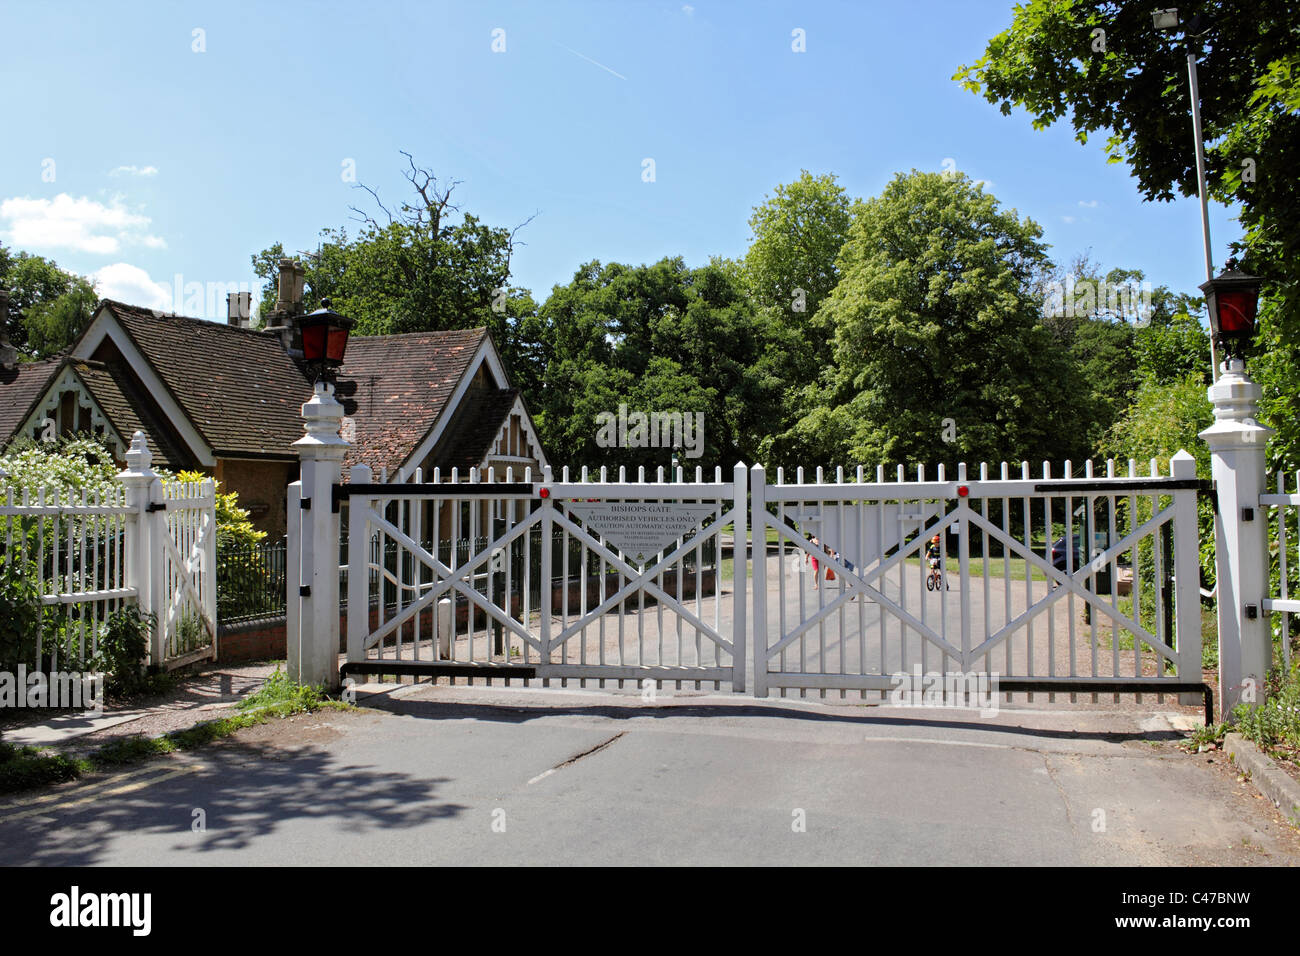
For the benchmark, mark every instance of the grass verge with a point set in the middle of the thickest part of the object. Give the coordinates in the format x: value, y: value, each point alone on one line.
x: 22, y: 768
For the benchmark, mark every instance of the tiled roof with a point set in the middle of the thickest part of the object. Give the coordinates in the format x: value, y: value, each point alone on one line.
x: 475, y: 427
x: 395, y: 386
x: 119, y: 397
x: 19, y: 388
x: 238, y: 386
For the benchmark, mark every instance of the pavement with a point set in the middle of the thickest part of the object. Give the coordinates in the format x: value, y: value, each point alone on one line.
x: 454, y: 775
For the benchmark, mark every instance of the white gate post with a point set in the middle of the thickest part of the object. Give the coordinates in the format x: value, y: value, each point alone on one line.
x: 740, y: 570
x: 321, y: 452
x: 359, y: 566
x: 1236, y: 441
x: 139, y: 479
x: 758, y: 531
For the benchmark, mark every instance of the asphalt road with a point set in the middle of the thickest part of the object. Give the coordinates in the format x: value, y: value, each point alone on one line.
x: 476, y: 776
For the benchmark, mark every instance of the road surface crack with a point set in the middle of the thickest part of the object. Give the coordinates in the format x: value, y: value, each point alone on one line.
x: 576, y: 757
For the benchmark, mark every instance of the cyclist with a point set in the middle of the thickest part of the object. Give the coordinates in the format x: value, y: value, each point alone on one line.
x: 932, y: 557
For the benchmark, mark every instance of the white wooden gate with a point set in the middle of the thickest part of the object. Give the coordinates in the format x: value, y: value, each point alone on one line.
x: 184, y: 568
x: 147, y: 542
x: 1021, y: 560
x: 515, y: 580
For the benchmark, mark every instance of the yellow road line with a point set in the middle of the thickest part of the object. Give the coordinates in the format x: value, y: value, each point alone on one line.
x: 50, y: 804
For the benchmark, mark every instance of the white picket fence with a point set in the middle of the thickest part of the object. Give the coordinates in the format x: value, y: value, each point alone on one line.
x: 146, y: 542
x: 73, y: 546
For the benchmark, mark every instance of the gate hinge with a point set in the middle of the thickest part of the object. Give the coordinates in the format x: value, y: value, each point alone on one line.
x: 156, y: 506
x: 305, y: 504
x: 304, y: 590
x: 1211, y: 491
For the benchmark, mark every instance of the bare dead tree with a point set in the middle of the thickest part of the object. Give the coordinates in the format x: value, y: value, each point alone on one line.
x: 435, y: 203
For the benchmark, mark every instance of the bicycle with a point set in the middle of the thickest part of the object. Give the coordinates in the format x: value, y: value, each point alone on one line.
x: 935, y: 581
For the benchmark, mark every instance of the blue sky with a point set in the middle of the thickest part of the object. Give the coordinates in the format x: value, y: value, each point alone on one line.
x: 133, y: 158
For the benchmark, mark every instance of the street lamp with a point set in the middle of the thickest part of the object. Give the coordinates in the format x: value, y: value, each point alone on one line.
x: 324, y: 340
x: 1166, y: 20
x: 1233, y: 300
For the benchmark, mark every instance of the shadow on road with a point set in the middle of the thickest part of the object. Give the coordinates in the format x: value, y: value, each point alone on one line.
x: 515, y: 714
x: 246, y: 792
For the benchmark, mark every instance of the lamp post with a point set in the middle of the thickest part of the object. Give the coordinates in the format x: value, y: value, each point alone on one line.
x: 312, y: 651
x: 1166, y: 20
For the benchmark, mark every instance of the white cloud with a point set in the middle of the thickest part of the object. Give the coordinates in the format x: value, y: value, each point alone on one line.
x: 82, y: 225
x: 135, y: 171
x: 1088, y: 203
x: 131, y: 284
x: 1067, y: 219
x: 688, y: 10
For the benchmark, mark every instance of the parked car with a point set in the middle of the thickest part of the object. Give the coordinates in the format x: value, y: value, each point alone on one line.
x: 1058, y: 553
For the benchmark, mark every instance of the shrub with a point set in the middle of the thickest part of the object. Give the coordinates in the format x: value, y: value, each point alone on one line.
x: 123, y: 649
x: 1275, y: 724
x: 20, y: 612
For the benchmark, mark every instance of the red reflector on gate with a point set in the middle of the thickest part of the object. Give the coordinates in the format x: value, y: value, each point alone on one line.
x: 545, y: 492
x: 962, y: 491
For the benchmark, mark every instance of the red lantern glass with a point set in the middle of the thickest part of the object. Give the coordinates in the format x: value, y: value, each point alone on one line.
x: 313, y: 342
x: 337, y: 345
x: 1237, y: 310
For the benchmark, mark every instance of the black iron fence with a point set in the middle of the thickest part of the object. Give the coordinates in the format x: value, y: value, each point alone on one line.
x: 250, y: 582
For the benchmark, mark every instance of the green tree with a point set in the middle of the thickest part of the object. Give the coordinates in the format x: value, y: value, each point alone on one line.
x: 48, y: 307
x: 425, y: 266
x: 1133, y: 86
x: 940, y: 352
x: 660, y: 337
x: 790, y: 268
x: 798, y: 233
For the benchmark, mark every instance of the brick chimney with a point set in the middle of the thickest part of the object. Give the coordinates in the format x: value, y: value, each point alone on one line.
x: 8, y: 354
x: 288, y: 303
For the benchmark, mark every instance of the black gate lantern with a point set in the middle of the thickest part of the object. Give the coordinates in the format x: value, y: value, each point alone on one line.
x: 1232, y: 298
x: 324, y: 340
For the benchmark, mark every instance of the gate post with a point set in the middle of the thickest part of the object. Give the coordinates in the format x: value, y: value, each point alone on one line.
x: 139, y: 480
x: 758, y: 531
x: 359, y: 566
x: 321, y: 452
x: 740, y: 571
x: 1236, y: 441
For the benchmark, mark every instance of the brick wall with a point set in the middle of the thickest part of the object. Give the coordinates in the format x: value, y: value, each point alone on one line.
x: 261, y: 486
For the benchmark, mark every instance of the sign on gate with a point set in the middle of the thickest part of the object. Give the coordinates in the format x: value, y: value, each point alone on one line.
x: 641, y: 529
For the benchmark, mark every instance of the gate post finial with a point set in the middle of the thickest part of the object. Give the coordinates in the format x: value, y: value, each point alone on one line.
x: 1237, y: 441
x: 321, y: 451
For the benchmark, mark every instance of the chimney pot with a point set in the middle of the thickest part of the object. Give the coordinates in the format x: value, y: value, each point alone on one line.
x: 286, y: 299
x: 239, y: 306
x: 8, y: 354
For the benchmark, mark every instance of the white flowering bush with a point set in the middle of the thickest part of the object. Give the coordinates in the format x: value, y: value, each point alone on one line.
x: 71, y: 465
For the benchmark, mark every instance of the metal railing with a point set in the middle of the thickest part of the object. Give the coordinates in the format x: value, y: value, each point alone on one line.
x: 250, y: 582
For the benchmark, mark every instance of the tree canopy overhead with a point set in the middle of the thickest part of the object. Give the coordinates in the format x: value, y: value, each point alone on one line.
x: 1130, y: 81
